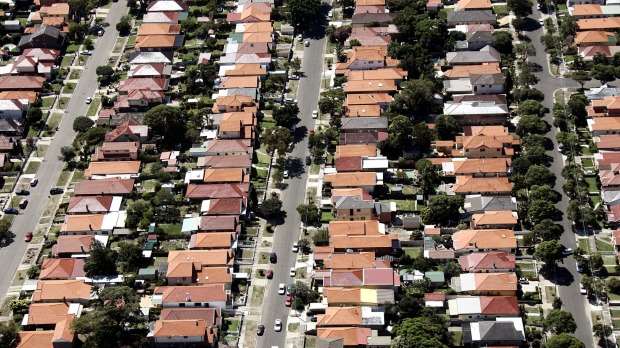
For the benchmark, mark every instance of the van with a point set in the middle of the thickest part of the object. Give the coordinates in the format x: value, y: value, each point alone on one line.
x: 23, y: 203
x: 273, y: 258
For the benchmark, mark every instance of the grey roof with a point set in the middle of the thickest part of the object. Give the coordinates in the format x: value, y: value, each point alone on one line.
x: 489, y: 203
x: 478, y: 36
x: 601, y: 92
x: 46, y: 30
x: 365, y: 18
x: 495, y: 98
x: 486, y: 54
x: 494, y: 331
x: 365, y: 123
x: 476, y: 16
x: 487, y: 79
x: 382, y: 207
x: 353, y: 202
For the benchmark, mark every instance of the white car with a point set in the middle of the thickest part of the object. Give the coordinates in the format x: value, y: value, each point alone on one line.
x: 307, y: 43
x: 293, y: 272
x: 278, y: 325
x: 281, y: 289
x: 567, y: 251
x: 300, y: 37
x: 285, y: 174
x: 86, y: 53
x: 582, y: 290
x: 295, y: 247
x: 89, y: 100
x: 541, y: 21
x: 315, y: 114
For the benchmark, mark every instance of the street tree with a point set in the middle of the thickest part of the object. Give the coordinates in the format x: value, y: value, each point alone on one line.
x: 310, y: 213
x: 526, y: 76
x: 421, y: 138
x: 521, y: 8
x: 534, y: 140
x: 578, y: 63
x: 577, y: 107
x: 442, y: 209
x: 596, y: 261
x: 271, y: 208
x: 104, y: 73
x: 67, y: 154
x: 82, y: 123
x: 8, y: 334
x: 528, y: 93
x: 295, y: 64
x: 531, y: 107
x: 286, y: 116
x: 613, y: 285
x: 531, y: 124
x: 559, y: 321
x: 563, y: 341
x: 428, y: 176
x: 167, y: 122
x: 129, y: 256
x: 124, y: 25
x: 277, y: 138
x: 548, y: 230
x: 303, y: 13
x: 569, y: 140
x: 503, y: 42
x: 523, y: 50
x: 520, y: 165
x: 549, y: 252
x: 539, y: 175
x: 580, y: 213
x: 593, y: 285
x: 415, y: 98
x: 601, y: 331
x: 79, y: 8
x: 101, y: 260
x: 5, y: 226
x: 539, y: 210
x: 331, y: 100
x: 446, y: 127
x: 582, y: 77
x: 603, y: 73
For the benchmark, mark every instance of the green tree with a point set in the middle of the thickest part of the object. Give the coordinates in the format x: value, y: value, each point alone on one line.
x: 295, y: 64
x: 303, y: 12
x: 82, y: 124
x: 581, y: 77
x: 67, y: 154
x: 321, y: 238
x: 503, y: 42
x: 446, y: 127
x: 539, y: 210
x: 531, y: 107
x: 101, y: 260
x: 531, y: 124
x: 601, y: 331
x: 613, y: 285
x: 577, y: 107
x: 548, y: 230
x: 331, y: 100
x: 539, y: 175
x: 421, y: 138
x: 310, y: 213
x: 8, y: 333
x: 521, y: 8
x: 124, y: 25
x: 420, y: 333
x: 442, y: 209
x: 77, y: 30
x: 414, y: 58
x: 401, y: 130
x: 428, y: 176
x: 431, y: 34
x: 34, y: 115
x: 79, y: 8
x: 415, y: 99
x: 129, y: 256
x: 104, y: 73
x: 523, y: 50
x: 271, y: 208
x: 603, y: 73
x: 526, y: 76
x: 563, y: 341
x: 596, y: 261
x: 286, y: 116
x: 580, y: 213
x: 520, y: 165
x: 549, y: 252
x: 167, y: 122
x: 559, y: 321
x: 277, y: 138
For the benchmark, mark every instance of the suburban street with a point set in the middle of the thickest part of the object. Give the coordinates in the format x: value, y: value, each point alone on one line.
x: 293, y: 195
x: 567, y: 278
x: 49, y: 171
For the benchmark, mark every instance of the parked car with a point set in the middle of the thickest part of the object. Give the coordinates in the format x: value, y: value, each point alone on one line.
x: 105, y: 24
x: 260, y: 330
x: 308, y: 160
x: 89, y: 100
x: 56, y: 191
x: 293, y: 272
x: 288, y: 289
x: 295, y: 247
x: 22, y: 193
x: 567, y: 251
x: 34, y: 182
x: 313, y: 318
x: 277, y: 326
x: 273, y: 258
x: 285, y: 174
x: 524, y: 281
x: 23, y: 203
x: 315, y: 114
x: 582, y: 290
x: 86, y: 53
x: 307, y: 43
x: 312, y: 132
x: 11, y: 211
x: 281, y: 289
x: 100, y: 32
x: 269, y: 274
x: 28, y: 237
x: 289, y: 301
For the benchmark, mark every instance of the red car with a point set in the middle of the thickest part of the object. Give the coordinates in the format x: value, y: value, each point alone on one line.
x: 28, y: 237
x: 289, y: 300
x: 312, y: 132
x: 269, y: 274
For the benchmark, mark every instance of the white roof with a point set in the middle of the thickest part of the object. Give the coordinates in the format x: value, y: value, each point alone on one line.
x: 114, y: 220
x: 190, y: 224
x: 116, y: 203
x: 101, y: 239
x: 150, y: 57
x: 194, y: 175
x: 204, y: 206
x: 8, y: 104
x: 464, y: 305
x: 474, y: 108
x: 468, y: 282
x: 378, y: 162
x: 517, y: 322
x: 165, y: 6
x: 457, y: 86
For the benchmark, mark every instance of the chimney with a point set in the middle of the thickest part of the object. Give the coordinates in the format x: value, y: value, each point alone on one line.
x: 87, y: 210
x: 90, y: 227
x: 196, y: 322
x: 82, y: 248
x: 187, y: 298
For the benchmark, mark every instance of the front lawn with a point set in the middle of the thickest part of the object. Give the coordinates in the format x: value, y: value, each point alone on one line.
x: 47, y: 102
x: 32, y: 167
x: 77, y: 176
x: 72, y: 48
x: 93, y: 107
x: 602, y: 246
x: 591, y: 181
x: 171, y: 229
x: 69, y: 88
x: 67, y: 60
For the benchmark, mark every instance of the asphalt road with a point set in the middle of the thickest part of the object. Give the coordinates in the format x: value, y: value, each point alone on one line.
x: 49, y: 171
x: 566, y: 278
x: 293, y: 195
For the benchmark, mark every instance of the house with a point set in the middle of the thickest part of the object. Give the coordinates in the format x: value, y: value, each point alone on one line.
x: 604, y: 125
x: 484, y: 146
x: 224, y: 206
x: 59, y: 11
x: 190, y: 273
x: 365, y: 180
x: 368, y: 86
x: 479, y: 203
x: 589, y: 52
x: 207, y: 258
x: 490, y: 284
x: 351, y: 228
x: 45, y: 36
x: 70, y: 268
x: 208, y: 241
x: 372, y: 36
x: 609, y: 142
x: 159, y: 29
x: 501, y: 332
x: 485, y: 186
x: 214, y: 191
x: 477, y: 167
x: 473, y: 5
x: 354, y: 261
x: 611, y: 24
x: 488, y: 262
x: 606, y: 159
x: 225, y: 175
x: 474, y: 308
x: 143, y: 84
x: 250, y: 12
x: 149, y: 70
x: 30, y: 96
x: 111, y: 186
x: 213, y: 316
x: 116, y: 151
x: 465, y: 71
x: 487, y: 54
x: 240, y: 161
x: 373, y: 318
x: 12, y: 109
x: 596, y: 93
x: 382, y: 100
x: 471, y: 17
x: 395, y: 74
x: 350, y: 336
x: 166, y: 6
x: 74, y: 291
x: 234, y: 103
x: 45, y: 316
x: 161, y: 17
x: 183, y: 332
x: 206, y: 296
x: 364, y: 124
x: 21, y: 83
x: 476, y: 40
x: 477, y: 113
x: 60, y: 337
x: 69, y: 246
x: 595, y: 38
x: 365, y: 58
x: 128, y: 131
x: 362, y: 138
x: 138, y: 57
x: 381, y: 245
x: 376, y: 19
x: 584, y: 11
x: 495, y: 219
x: 225, y: 147
x: 94, y: 204
x: 606, y: 107
x: 351, y: 208
x: 370, y: 278
x: 84, y: 224
x: 113, y: 169
x: 467, y: 241
x: 159, y: 43
x: 211, y: 224
x: 339, y: 297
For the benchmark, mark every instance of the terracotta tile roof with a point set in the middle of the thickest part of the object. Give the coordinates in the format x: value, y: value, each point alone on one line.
x: 611, y: 23
x: 180, y: 328
x: 363, y: 111
x: 355, y: 150
x: 586, y: 10
x: 232, y: 161
x: 11, y: 83
x: 350, y: 228
x: 354, y: 179
x: 616, y: 234
x: 197, y: 293
x: 378, y: 74
x: 214, y: 275
x: 59, y: 290
x: 55, y: 10
x: 351, y: 192
x: 225, y: 206
x: 144, y: 83
x: 203, y: 191
x: 183, y: 269
x: 487, y: 261
x: 254, y: 27
x: 233, y: 100
x: 504, y: 217
x: 205, y: 257
x: 467, y: 185
x: 250, y: 81
x: 605, y: 123
x: 354, y: 261
x: 222, y: 240
x: 474, y: 5
x: 465, y: 71
x: 63, y: 332
x: 47, y: 313
x: 90, y: 204
x: 609, y: 141
x: 368, y: 99
x: 224, y: 175
x: 495, y: 281
x: 213, y: 316
x: 246, y: 69
x: 155, y: 41
x: 485, y: 130
x: 62, y: 268
x: 435, y: 296
x: 484, y: 239
x: 266, y: 37
x: 12, y: 95
x: 348, y: 164
x: 218, y: 223
x: 367, y: 86
x: 112, y: 168
x: 246, y: 118
x: 342, y: 295
x: 608, y: 158
x: 499, y: 305
x: 594, y: 37
x: 35, y: 339
x: 339, y: 316
x: 472, y: 166
x: 362, y: 242
x: 73, y: 244
x: 159, y: 29
x: 352, y: 336
x: 80, y: 223
x: 104, y: 187
x: 161, y: 17
x: 42, y: 54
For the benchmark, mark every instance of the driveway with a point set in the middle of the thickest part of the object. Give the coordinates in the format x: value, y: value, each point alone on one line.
x: 293, y: 195
x: 49, y: 171
x: 566, y: 278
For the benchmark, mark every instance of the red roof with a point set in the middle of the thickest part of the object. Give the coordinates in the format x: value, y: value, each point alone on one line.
x: 211, y: 191
x: 499, y: 305
x: 218, y: 223
x: 225, y: 206
x: 435, y: 296
x: 608, y: 158
x: 490, y: 260
x: 349, y: 164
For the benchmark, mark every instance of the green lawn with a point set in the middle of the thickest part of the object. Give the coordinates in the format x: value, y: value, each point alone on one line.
x: 587, y: 162
x: 54, y: 120
x: 500, y: 10
x: 602, y: 246
x: 63, y: 101
x: 63, y: 178
x: 77, y: 176
x: 172, y: 229
x: 32, y: 167
x: 69, y: 88
x: 326, y: 216
x: 75, y: 74
x: 73, y: 48
x: 591, y: 181
x: 457, y: 338
x: 412, y: 252
x: 47, y: 102
x: 93, y: 107
x: 583, y: 244
x: 233, y: 325
x: 131, y: 41
x: 67, y: 60
x: 615, y: 313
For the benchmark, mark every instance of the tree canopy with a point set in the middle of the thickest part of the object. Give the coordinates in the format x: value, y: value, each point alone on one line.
x: 310, y: 213
x: 167, y: 122
x: 531, y: 124
x: 420, y: 333
x: 442, y: 209
x: 303, y: 12
x: 549, y: 252
x: 446, y: 127
x: 415, y: 99
x: 82, y: 124
x: 539, y: 175
x: 286, y: 116
x: 101, y: 260
x: 271, y: 208
x: 563, y: 341
x: 559, y: 321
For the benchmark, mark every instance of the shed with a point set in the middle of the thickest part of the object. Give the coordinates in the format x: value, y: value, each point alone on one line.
x: 147, y: 273
x: 436, y: 278
x: 286, y: 29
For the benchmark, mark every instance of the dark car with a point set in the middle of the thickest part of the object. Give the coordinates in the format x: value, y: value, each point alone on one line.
x: 260, y: 330
x: 56, y: 191
x: 308, y: 160
x: 269, y: 274
x: 273, y: 258
x: 309, y: 145
x: 28, y: 237
x: 313, y: 318
x: 22, y: 193
x: 11, y: 211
